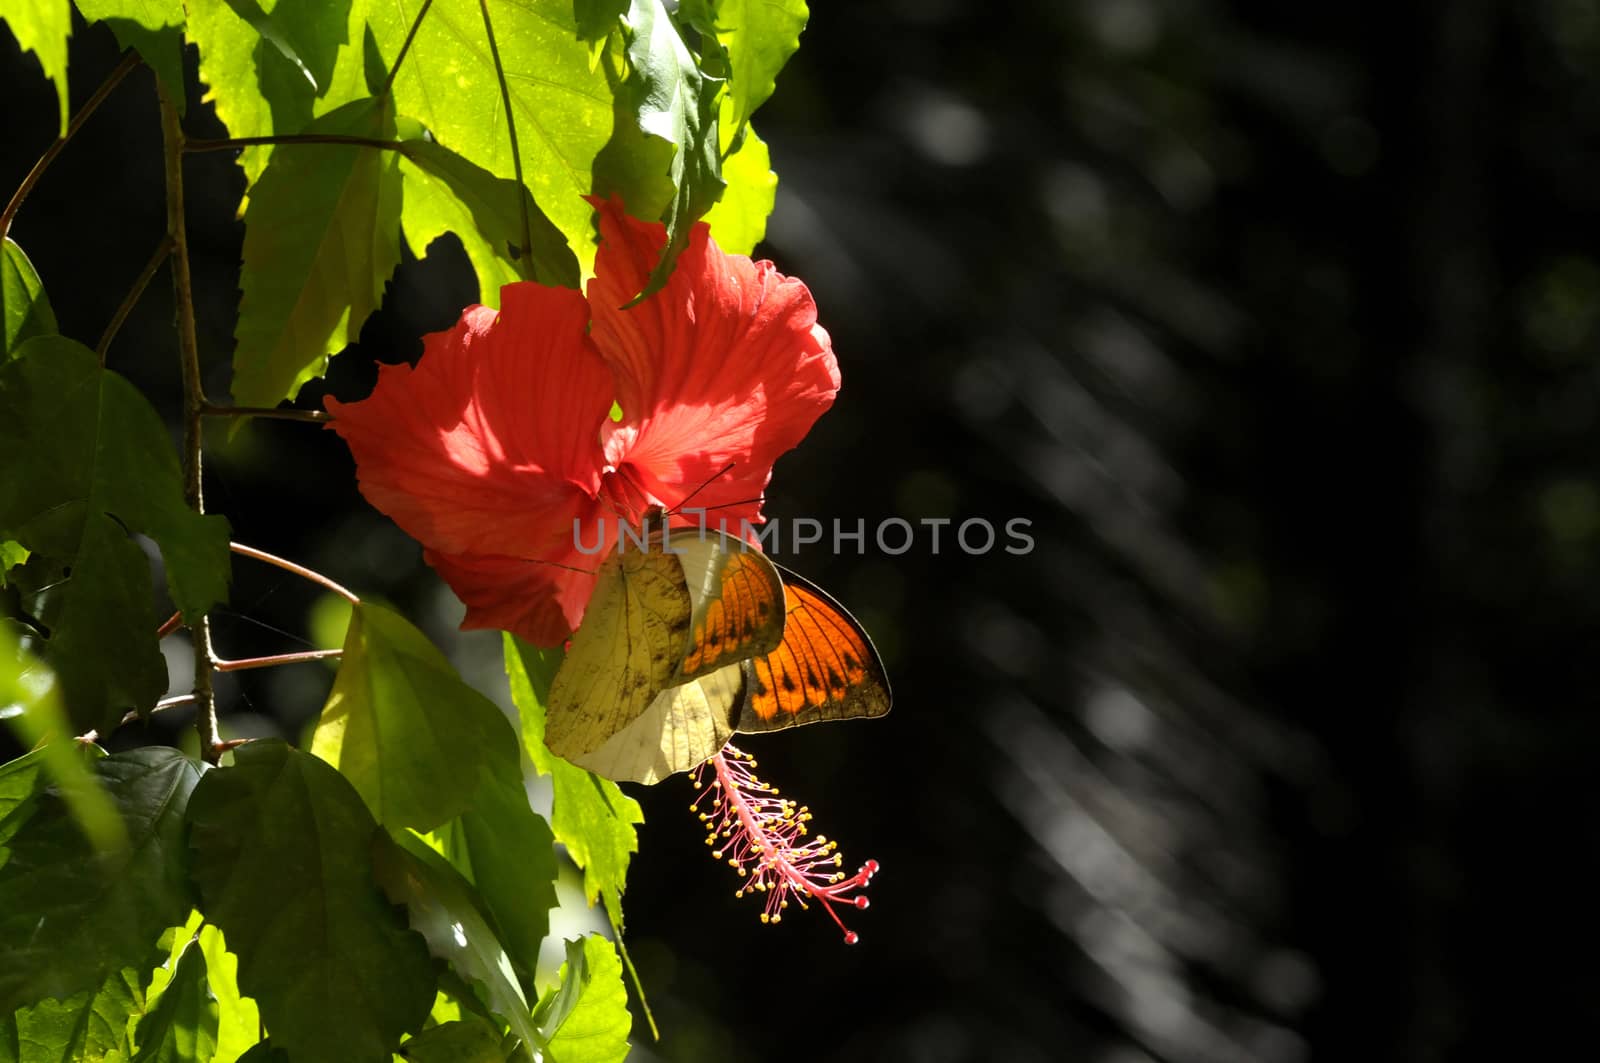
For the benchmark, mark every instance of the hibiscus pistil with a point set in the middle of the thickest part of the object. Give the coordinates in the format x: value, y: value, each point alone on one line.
x: 765, y: 837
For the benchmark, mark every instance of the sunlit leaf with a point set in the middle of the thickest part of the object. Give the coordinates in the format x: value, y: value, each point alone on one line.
x: 404, y: 729
x: 674, y: 104
x: 42, y: 27
x: 238, y: 1019
x: 586, y: 1020
x: 26, y: 309
x: 72, y: 914
x: 281, y: 847
x: 154, y: 28
x: 561, y: 106
x: 181, y: 1026
x: 272, y: 72
x: 466, y: 1041
x: 100, y: 464
x: 87, y: 1027
x: 322, y: 236
x: 446, y: 193
x: 507, y: 851
x: 757, y: 37
x: 739, y: 220
x: 445, y: 910
x: 590, y: 815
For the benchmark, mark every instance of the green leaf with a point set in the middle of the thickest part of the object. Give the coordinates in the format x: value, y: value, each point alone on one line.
x: 154, y: 28
x: 238, y: 1020
x: 99, y: 464
x: 506, y: 850
x: 590, y: 815
x: 560, y: 105
x: 281, y: 843
x: 400, y: 724
x: 469, y: 1041
x: 586, y: 1020
x: 27, y: 311
x: 21, y: 780
x: 12, y: 554
x: 446, y: 193
x: 182, y: 1026
x: 30, y: 706
x: 87, y: 1027
x: 444, y: 909
x: 597, y: 18
x: 757, y: 38
x: 271, y: 73
x: 322, y: 236
x: 674, y: 104
x: 265, y: 1052
x: 71, y: 914
x: 42, y: 27
x: 739, y: 220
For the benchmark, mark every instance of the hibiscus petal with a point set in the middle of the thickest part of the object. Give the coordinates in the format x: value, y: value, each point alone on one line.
x: 541, y: 602
x: 725, y: 365
x: 491, y: 445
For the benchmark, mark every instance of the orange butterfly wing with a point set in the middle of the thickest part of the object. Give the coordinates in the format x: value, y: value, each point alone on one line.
x: 824, y: 669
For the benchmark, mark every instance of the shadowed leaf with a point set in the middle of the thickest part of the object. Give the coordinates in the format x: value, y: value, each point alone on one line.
x: 100, y: 464
x: 71, y: 914
x: 281, y: 854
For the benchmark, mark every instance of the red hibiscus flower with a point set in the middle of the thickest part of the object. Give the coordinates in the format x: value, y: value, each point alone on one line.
x: 501, y: 438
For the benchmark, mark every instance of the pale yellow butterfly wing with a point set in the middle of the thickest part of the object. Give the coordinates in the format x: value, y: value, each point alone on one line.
x: 684, y: 607
x: 625, y: 652
x: 683, y: 727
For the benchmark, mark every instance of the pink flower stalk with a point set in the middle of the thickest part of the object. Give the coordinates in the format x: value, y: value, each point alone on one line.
x: 759, y: 833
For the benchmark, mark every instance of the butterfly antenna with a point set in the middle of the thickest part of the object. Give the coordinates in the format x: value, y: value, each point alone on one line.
x: 686, y: 498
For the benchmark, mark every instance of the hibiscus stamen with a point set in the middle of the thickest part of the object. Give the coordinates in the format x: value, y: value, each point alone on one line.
x: 763, y: 836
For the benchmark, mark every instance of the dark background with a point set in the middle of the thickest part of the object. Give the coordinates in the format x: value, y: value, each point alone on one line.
x: 1281, y: 324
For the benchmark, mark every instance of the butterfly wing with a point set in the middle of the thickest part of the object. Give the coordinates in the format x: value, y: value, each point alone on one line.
x: 826, y: 667
x: 624, y: 653
x: 683, y: 727
x: 738, y: 601
x: 678, y: 610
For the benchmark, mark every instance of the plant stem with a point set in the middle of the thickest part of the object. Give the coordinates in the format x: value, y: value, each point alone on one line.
x: 233, y: 143
x: 526, y: 251
x: 131, y: 300
x: 405, y: 48
x: 129, y: 61
x: 276, y: 659
x: 298, y: 570
x: 130, y: 717
x: 194, y: 401
x: 174, y: 622
x: 284, y: 413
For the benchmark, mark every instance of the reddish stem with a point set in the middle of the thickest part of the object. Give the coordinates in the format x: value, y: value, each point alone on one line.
x: 298, y: 570
x: 275, y: 659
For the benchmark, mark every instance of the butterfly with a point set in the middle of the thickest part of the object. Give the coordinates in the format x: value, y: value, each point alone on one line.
x: 662, y: 638
x: 734, y: 675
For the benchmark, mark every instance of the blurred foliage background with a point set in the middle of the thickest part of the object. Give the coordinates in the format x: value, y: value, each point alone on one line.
x: 1281, y: 324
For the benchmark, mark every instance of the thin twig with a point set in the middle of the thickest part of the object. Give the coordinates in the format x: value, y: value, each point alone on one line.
x: 131, y: 300
x: 130, y: 717
x: 194, y: 401
x: 174, y: 622
x: 284, y: 413
x: 275, y: 659
x: 233, y: 143
x: 405, y: 47
x: 129, y: 61
x: 298, y: 570
x: 511, y: 131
